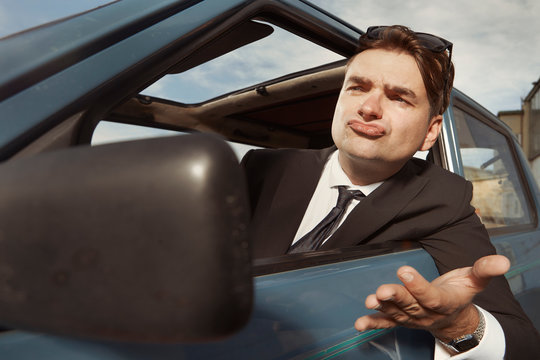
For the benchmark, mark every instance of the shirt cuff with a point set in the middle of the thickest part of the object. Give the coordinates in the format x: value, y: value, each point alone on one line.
x: 491, y: 347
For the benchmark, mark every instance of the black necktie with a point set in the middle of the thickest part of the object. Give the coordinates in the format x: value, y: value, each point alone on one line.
x: 313, y: 239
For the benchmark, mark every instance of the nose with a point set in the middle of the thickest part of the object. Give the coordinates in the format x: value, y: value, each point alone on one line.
x: 370, y: 108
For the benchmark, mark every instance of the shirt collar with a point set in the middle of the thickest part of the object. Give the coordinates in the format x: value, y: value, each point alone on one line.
x: 337, y: 176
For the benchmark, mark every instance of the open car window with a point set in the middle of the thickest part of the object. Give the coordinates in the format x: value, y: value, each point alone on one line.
x: 257, y: 84
x: 107, y: 132
x: 276, y: 53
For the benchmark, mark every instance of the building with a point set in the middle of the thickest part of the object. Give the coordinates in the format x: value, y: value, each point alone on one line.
x: 525, y: 124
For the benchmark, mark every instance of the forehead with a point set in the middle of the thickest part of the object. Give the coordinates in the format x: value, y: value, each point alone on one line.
x: 387, y: 68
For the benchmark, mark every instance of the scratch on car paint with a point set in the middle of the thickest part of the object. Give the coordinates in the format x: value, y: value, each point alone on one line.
x: 348, y: 345
x: 393, y: 354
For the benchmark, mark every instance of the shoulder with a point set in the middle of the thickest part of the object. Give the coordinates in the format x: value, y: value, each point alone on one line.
x: 266, y: 169
x: 277, y: 154
x: 442, y: 188
x: 439, y: 178
x: 272, y: 159
x: 268, y: 155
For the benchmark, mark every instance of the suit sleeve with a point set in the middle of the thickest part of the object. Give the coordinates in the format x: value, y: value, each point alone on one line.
x: 462, y: 242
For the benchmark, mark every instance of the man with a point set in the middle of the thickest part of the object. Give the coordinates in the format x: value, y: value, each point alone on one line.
x: 394, y: 94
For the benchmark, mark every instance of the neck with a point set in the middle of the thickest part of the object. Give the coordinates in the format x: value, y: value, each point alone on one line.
x: 366, y: 172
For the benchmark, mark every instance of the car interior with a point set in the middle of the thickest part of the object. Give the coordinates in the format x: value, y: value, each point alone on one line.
x: 290, y: 111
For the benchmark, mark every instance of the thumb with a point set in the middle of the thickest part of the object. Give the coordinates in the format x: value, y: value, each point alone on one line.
x: 490, y: 266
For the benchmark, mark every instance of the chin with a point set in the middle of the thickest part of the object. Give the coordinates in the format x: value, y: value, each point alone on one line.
x: 362, y: 155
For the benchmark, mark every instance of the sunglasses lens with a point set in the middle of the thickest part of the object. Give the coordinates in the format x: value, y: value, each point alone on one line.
x: 374, y: 32
x: 431, y: 42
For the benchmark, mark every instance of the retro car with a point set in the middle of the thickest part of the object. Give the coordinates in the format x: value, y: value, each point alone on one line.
x: 139, y: 249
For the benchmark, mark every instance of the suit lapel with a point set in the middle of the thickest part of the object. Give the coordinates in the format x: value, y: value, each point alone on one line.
x: 289, y: 202
x: 378, y: 209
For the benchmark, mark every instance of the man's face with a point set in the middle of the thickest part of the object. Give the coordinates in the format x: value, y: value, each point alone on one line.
x: 382, y: 114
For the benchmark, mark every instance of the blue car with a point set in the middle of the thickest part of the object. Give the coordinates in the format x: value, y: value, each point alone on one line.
x: 123, y: 208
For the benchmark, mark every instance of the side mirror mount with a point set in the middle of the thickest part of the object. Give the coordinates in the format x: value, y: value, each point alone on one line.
x: 144, y: 241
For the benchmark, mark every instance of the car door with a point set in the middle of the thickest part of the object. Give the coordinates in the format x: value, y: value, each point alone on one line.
x: 505, y: 194
x: 302, y: 310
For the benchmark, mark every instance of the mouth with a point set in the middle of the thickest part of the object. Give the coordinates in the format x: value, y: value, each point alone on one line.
x: 370, y: 129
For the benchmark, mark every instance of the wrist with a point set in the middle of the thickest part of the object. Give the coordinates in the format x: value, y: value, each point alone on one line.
x: 467, y: 341
x: 466, y: 322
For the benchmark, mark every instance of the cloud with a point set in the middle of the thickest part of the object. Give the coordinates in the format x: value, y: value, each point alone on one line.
x: 495, y: 45
x: 275, y: 56
x: 495, y: 41
x: 495, y: 50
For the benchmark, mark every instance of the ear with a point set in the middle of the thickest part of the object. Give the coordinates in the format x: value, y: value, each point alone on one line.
x: 432, y: 132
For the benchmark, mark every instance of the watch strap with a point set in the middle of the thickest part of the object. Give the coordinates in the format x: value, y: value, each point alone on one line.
x: 468, y: 341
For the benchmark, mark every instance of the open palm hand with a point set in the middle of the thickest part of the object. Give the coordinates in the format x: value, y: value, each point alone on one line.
x: 443, y: 306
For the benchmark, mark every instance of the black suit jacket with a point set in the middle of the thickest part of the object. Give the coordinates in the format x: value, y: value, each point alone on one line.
x: 422, y: 202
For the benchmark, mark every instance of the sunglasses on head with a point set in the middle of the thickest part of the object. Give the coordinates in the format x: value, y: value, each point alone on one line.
x: 431, y: 42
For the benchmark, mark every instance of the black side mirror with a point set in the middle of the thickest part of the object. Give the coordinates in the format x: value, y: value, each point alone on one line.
x: 139, y: 241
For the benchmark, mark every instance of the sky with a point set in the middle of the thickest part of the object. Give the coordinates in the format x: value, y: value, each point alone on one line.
x: 496, y: 42
x: 496, y: 50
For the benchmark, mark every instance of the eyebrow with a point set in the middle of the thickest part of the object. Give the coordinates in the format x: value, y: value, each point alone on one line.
x: 355, y: 79
x: 400, y: 90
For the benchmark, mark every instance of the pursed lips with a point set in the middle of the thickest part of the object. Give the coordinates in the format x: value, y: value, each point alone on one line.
x: 369, y: 129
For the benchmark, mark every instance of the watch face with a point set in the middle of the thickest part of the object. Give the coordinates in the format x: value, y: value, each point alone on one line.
x: 465, y: 343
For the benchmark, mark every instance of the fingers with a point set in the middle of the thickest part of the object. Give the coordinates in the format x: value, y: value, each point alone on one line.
x: 397, y: 305
x: 490, y: 266
x: 374, y: 321
x: 394, y: 305
x: 393, y: 299
x: 419, y: 289
x: 414, y: 304
x: 421, y: 304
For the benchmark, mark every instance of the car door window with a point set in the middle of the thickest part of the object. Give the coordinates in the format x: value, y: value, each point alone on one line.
x: 489, y: 163
x: 110, y: 132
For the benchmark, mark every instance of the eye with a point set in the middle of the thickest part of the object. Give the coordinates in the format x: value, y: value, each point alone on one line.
x: 398, y: 98
x: 356, y: 88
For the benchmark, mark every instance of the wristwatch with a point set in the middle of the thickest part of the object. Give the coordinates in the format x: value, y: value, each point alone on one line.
x: 469, y: 341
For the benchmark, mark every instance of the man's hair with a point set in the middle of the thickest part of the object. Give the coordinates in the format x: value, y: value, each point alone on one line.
x: 433, y: 66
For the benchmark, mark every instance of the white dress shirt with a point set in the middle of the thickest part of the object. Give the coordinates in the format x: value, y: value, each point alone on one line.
x: 492, y: 345
x: 326, y: 194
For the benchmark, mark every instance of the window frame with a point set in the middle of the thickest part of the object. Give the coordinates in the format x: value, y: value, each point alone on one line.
x: 289, y: 262
x: 494, y: 124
